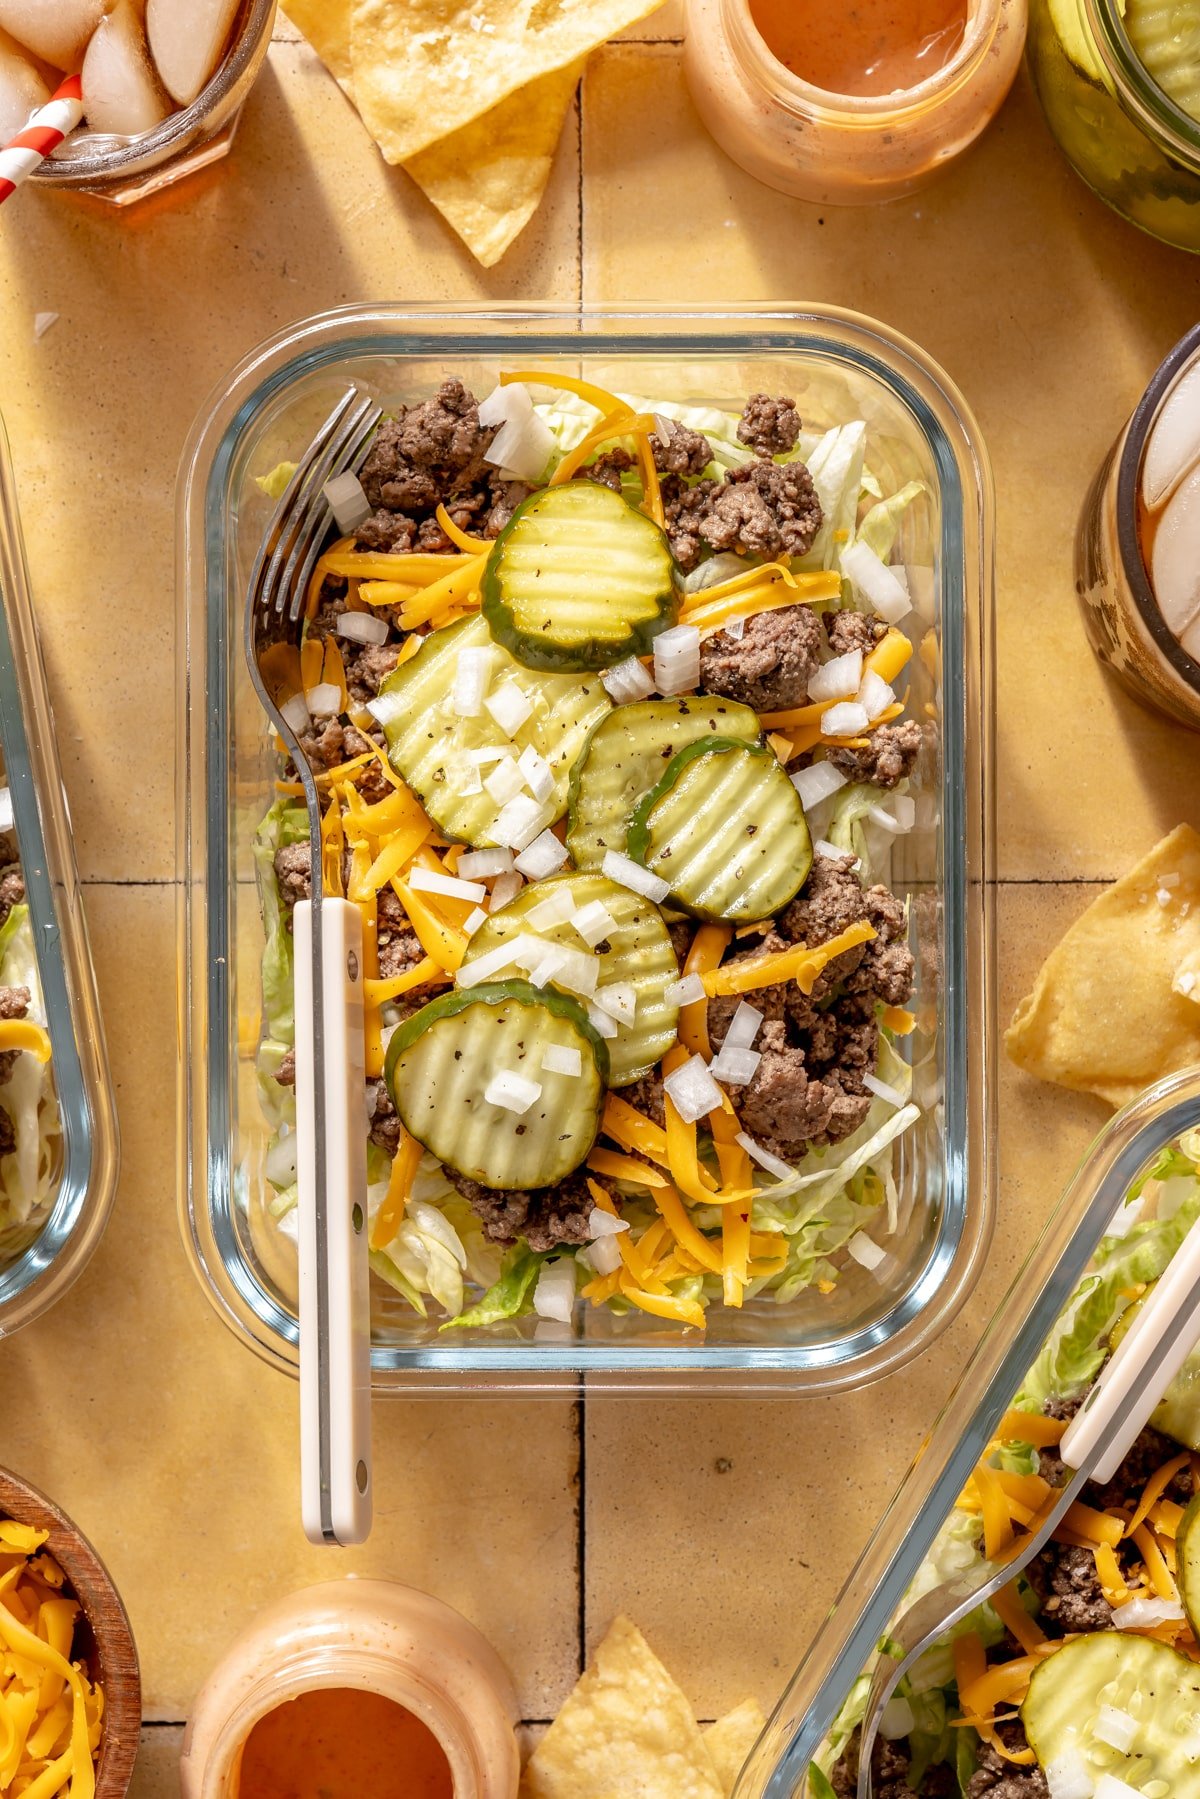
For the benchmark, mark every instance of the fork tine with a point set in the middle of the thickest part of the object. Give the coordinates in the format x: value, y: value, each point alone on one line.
x: 303, y: 574
x: 312, y: 519
x: 291, y: 496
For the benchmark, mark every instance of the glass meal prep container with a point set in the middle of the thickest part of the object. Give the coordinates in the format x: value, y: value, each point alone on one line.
x: 42, y: 1253
x: 873, y: 1596
x: 839, y: 367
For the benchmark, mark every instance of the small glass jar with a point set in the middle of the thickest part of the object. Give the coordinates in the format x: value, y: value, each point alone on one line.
x: 1120, y: 612
x: 124, y: 169
x: 843, y: 149
x: 1130, y: 142
x: 376, y: 1636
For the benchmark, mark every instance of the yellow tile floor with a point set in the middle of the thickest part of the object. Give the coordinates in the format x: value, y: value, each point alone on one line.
x: 174, y: 1447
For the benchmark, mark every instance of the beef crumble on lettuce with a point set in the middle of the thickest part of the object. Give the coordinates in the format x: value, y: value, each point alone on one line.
x: 827, y: 1093
x: 29, y: 1120
x: 1117, y: 1583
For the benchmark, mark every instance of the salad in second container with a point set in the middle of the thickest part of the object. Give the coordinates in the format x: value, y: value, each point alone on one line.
x: 601, y: 694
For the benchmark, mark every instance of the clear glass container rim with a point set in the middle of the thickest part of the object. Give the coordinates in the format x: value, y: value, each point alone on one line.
x: 923, y: 388
x: 807, y: 101
x: 1129, y: 482
x: 1153, y: 110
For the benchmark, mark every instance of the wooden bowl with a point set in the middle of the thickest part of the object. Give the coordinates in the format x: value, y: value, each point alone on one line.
x: 103, y: 1639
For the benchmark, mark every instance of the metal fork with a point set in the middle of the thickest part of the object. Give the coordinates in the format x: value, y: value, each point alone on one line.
x: 1094, y: 1445
x: 335, y: 1336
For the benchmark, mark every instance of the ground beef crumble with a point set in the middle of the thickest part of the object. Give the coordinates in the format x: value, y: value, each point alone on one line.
x: 12, y: 890
x: 544, y: 1217
x: 763, y: 509
x: 609, y: 468
x: 14, y: 1003
x: 770, y: 665
x: 678, y: 450
x: 848, y: 631
x: 887, y: 758
x: 890, y: 1763
x: 769, y: 427
x: 996, y: 1778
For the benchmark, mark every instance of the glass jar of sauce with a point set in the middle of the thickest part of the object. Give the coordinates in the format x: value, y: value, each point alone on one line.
x: 845, y: 106
x: 1135, y: 145
x: 351, y: 1688
x: 1137, y: 559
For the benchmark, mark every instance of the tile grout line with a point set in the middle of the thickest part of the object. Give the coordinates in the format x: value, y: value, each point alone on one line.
x: 581, y: 1523
x: 579, y: 267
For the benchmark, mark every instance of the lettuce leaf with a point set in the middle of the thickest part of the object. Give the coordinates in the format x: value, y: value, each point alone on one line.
x: 510, y: 1296
x: 878, y: 527
x: 836, y: 466
x: 285, y: 823
x: 28, y: 1172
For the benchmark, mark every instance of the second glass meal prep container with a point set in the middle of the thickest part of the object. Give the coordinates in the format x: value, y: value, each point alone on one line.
x: 82, y: 1177
x: 839, y: 367
x: 1123, y: 1154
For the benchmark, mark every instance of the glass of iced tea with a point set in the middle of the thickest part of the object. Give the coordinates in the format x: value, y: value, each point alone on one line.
x: 163, y: 84
x: 1137, y: 561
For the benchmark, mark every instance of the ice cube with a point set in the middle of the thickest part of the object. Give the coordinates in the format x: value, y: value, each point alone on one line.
x: 121, y: 93
x: 23, y: 89
x: 1175, y: 558
x: 186, y: 39
x: 1173, y: 446
x: 56, y: 30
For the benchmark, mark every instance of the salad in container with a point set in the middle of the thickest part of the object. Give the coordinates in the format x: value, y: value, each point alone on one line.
x: 605, y: 698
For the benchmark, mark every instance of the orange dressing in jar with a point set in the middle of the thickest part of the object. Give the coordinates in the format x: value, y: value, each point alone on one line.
x: 342, y: 1743
x: 866, y: 47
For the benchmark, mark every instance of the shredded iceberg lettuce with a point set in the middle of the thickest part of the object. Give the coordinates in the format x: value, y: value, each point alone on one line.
x: 29, y: 1172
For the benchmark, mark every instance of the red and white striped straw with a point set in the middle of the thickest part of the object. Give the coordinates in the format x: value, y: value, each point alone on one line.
x: 44, y: 132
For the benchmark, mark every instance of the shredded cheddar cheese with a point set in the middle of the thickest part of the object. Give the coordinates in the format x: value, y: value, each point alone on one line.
x: 50, y: 1713
x: 23, y: 1033
x: 621, y: 423
x: 709, y: 614
x: 799, y: 964
x: 390, y: 1215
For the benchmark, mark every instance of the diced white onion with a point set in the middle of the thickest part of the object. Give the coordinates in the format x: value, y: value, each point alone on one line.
x: 1115, y: 1727
x: 481, y: 865
x: 627, y: 681
x: 515, y: 1092
x: 510, y: 706
x: 1185, y: 981
x: 548, y: 966
x: 506, y: 888
x: 544, y: 856
x: 524, y: 441
x: 556, y: 908
x: 324, y: 700
x: 362, y: 627
x: 628, y: 873
x: 428, y: 880
x: 471, y: 783
x: 604, y: 1254
x: 735, y: 628
x: 685, y: 991
x: 677, y: 659
x: 537, y: 773
x: 1109, y: 1787
x: 692, y: 1090
x: 881, y: 1090
x: 1067, y: 1776
x: 897, y: 1720
x: 875, y: 696
x: 494, y: 962
x: 594, y: 922
x: 847, y: 719
x: 837, y: 679
x: 279, y: 1163
x: 619, y: 1000
x: 520, y: 821
x: 505, y: 781
x: 496, y: 753
x: 744, y: 1027
x: 296, y: 716
x: 1135, y: 1614
x: 554, y: 1295
x: 472, y: 672
x: 816, y: 783
x: 604, y: 1224
x: 348, y: 503
x: 772, y: 1163
x: 866, y: 1253
x: 875, y: 582
x: 562, y: 1058
x: 601, y: 1023
x: 473, y: 920
x: 823, y: 847
x: 735, y: 1067
x: 289, y: 1224
x: 579, y: 973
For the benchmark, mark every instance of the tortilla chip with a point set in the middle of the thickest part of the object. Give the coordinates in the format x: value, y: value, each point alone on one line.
x: 1105, y: 1015
x: 487, y: 178
x: 626, y: 1732
x: 730, y: 1740
x: 425, y: 68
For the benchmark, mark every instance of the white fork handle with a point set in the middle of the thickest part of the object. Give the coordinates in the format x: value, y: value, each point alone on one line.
x: 1171, y: 1310
x: 335, y: 1329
